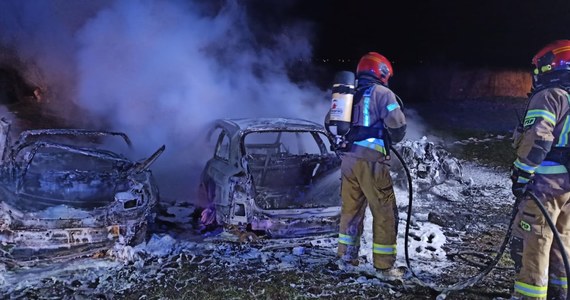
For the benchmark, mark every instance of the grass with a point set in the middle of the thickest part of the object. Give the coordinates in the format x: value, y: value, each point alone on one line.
x: 219, y: 281
x: 492, y: 151
x: 482, y: 119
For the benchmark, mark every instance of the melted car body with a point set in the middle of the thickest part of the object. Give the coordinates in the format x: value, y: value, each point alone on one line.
x: 274, y: 175
x: 62, y: 195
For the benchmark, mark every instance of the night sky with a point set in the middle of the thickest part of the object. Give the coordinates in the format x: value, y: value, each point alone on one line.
x: 131, y: 63
x: 487, y: 33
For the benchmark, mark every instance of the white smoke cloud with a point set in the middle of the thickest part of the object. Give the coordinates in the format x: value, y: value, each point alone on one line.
x: 42, y: 33
x: 162, y: 70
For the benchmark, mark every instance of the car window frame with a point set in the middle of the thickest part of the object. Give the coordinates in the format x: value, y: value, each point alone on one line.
x: 317, y: 135
x: 219, y: 142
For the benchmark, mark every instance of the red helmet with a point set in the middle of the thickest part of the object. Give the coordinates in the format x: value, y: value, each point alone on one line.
x: 553, y: 57
x: 375, y: 64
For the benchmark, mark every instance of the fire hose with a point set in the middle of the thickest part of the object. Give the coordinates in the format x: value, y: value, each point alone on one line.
x: 444, y: 290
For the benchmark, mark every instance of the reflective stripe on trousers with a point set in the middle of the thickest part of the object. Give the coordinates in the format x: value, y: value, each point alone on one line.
x: 368, y: 183
x: 348, y: 239
x: 530, y: 290
x: 539, y: 266
x: 383, y: 249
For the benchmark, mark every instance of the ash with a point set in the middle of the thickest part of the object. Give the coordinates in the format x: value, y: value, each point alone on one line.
x: 459, y: 207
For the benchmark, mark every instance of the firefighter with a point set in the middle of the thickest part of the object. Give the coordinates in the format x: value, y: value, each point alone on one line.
x: 377, y: 120
x: 542, y: 144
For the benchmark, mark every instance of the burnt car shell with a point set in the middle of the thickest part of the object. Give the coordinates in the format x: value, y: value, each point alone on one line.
x: 62, y: 196
x: 275, y: 175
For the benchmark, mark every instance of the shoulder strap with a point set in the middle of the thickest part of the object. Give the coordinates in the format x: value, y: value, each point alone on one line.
x: 368, y: 91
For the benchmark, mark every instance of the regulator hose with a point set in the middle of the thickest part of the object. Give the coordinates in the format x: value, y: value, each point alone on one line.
x: 474, y: 279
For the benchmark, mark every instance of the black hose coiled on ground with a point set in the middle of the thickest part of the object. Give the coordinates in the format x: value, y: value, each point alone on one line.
x: 474, y: 279
x: 460, y: 285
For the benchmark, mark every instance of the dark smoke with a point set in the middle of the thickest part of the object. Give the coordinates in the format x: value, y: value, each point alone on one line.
x: 162, y: 70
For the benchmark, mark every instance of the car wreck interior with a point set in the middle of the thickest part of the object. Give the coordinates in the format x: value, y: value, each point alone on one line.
x: 64, y: 198
x: 75, y: 180
x: 281, y: 162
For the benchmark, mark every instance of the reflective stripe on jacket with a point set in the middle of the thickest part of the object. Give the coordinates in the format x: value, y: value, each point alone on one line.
x: 546, y: 125
x: 378, y: 108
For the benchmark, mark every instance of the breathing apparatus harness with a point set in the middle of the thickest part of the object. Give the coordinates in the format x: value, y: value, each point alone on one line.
x: 340, y: 115
x: 362, y: 132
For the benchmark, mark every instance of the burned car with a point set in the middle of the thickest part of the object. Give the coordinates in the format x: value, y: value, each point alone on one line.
x: 64, y: 195
x: 430, y: 164
x: 274, y: 176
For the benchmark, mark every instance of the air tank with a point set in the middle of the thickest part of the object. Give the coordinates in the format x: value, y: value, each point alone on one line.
x: 341, y: 103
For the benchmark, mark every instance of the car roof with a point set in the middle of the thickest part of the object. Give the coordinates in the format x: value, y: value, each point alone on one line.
x: 269, y: 124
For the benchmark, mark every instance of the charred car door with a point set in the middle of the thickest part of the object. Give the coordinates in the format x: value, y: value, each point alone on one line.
x: 214, y: 187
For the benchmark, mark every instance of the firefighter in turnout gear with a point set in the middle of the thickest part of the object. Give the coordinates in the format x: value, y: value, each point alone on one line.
x: 377, y: 121
x: 542, y: 144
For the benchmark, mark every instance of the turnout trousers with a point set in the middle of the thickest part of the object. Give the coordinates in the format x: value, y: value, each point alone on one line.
x: 538, y: 261
x: 366, y: 182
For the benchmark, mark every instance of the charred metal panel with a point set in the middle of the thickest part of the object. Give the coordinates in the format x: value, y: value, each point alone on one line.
x: 58, y: 238
x: 241, y: 194
x: 296, y: 226
x: 428, y: 161
x: 4, y: 138
x: 42, y: 134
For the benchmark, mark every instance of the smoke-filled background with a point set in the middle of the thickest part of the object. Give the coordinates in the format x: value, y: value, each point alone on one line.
x: 160, y: 70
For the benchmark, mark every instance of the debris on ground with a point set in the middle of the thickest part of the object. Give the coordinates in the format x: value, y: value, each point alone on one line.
x: 459, y: 208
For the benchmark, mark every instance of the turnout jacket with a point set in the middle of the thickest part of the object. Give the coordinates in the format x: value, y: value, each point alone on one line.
x: 542, y: 140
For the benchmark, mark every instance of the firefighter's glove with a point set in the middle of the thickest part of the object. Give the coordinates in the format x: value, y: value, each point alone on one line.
x: 520, y: 180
